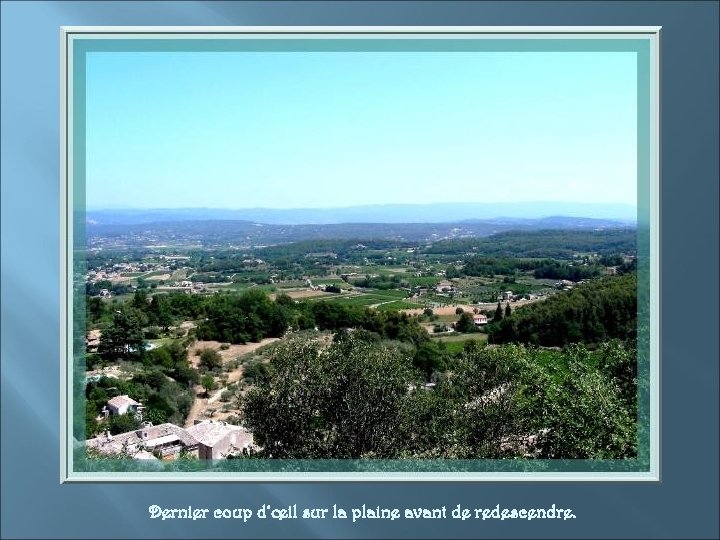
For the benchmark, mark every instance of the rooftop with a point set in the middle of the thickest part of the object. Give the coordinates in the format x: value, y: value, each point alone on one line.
x: 210, y: 432
x: 133, y: 442
x: 120, y: 401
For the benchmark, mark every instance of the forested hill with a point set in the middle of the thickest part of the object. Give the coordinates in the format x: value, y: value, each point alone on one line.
x: 544, y: 243
x: 595, y: 311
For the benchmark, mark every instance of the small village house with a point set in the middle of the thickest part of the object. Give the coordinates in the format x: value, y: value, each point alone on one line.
x: 218, y: 439
x: 123, y: 405
x: 165, y: 441
x: 480, y: 319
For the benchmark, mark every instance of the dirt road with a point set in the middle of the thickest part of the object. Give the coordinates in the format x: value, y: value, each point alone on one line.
x: 202, y: 403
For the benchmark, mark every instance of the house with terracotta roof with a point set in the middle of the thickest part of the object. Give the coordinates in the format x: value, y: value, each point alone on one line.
x: 480, y: 319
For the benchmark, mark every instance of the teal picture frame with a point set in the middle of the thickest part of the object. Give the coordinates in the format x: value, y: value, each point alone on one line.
x: 643, y: 42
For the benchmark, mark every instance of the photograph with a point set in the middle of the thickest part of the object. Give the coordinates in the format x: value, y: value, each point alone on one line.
x: 354, y: 270
x: 360, y: 250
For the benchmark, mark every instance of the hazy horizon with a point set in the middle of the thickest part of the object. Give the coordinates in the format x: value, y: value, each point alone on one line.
x: 320, y: 207
x: 384, y: 213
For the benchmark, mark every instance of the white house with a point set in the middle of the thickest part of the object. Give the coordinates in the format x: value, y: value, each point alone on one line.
x: 123, y: 405
x: 480, y: 319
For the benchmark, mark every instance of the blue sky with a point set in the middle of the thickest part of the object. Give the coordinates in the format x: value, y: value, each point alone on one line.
x: 334, y: 129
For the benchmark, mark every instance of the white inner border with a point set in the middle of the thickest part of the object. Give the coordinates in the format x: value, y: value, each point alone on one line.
x: 70, y: 33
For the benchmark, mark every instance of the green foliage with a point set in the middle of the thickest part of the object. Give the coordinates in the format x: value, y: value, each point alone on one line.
x: 210, y: 359
x: 284, y: 300
x: 155, y: 416
x: 428, y: 358
x: 140, y: 300
x: 96, y: 310
x: 257, y: 372
x: 498, y: 314
x: 587, y: 416
x: 122, y: 423
x: 557, y: 270
x: 159, y: 312
x: 344, y: 401
x: 124, y: 338
x: 381, y: 282
x: 169, y: 399
x: 387, y: 324
x: 465, y: 323
x: 550, y: 243
x: 491, y: 266
x: 590, y: 313
x: 358, y: 398
x: 611, y: 260
x: 452, y: 272
x: 172, y: 360
x: 239, y: 319
x: 208, y: 383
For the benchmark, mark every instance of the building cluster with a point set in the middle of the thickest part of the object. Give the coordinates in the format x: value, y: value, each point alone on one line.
x: 188, y: 286
x: 205, y: 439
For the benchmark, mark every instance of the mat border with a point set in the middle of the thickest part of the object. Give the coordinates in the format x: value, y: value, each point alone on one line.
x: 70, y: 33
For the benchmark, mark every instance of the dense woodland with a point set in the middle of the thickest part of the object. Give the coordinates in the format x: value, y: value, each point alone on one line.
x: 351, y: 400
x: 591, y: 313
x: 549, y: 243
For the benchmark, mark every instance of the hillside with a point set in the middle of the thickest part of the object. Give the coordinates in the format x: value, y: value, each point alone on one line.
x: 595, y: 311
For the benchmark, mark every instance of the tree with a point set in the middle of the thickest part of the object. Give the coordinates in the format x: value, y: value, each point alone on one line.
x: 208, y: 383
x: 590, y: 313
x: 284, y: 299
x: 452, y: 272
x: 256, y: 372
x: 210, y: 359
x: 239, y: 319
x: 160, y: 357
x: 508, y: 310
x: 124, y: 338
x: 140, y: 300
x: 95, y: 309
x: 459, y: 310
x: 498, y: 313
x: 155, y: 416
x: 341, y: 401
x: 428, y: 358
x: 484, y: 388
x: 586, y: 415
x: 159, y: 312
x: 123, y: 423
x: 465, y: 323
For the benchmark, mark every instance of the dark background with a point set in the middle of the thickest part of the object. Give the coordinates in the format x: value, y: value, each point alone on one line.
x: 683, y: 505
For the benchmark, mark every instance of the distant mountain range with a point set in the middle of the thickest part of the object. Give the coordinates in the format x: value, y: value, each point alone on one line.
x: 247, y: 234
x: 620, y: 214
